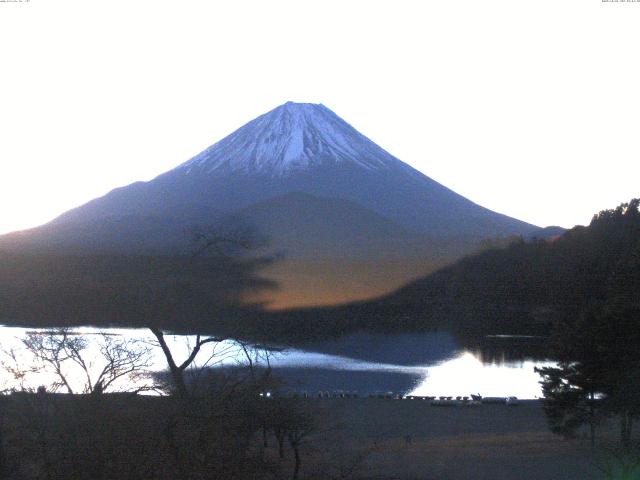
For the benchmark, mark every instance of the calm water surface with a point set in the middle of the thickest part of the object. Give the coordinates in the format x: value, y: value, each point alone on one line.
x: 418, y: 364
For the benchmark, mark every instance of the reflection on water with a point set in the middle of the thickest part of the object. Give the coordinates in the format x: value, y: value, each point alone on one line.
x: 463, y: 374
x: 467, y: 374
x: 410, y: 349
x: 420, y: 364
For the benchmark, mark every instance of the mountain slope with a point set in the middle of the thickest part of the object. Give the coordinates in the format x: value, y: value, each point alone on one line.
x: 306, y: 226
x: 304, y: 148
x: 352, y: 219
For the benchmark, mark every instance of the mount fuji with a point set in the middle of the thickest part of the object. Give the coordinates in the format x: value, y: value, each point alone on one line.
x: 352, y: 220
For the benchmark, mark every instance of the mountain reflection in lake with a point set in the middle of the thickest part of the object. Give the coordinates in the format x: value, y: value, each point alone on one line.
x: 418, y: 364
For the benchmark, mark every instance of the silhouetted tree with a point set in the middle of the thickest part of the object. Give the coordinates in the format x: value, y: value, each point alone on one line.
x: 301, y: 424
x: 570, y: 394
x: 61, y: 352
x: 230, y: 285
x: 176, y: 370
x: 599, y: 369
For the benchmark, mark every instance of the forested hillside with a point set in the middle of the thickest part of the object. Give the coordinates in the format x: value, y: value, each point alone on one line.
x: 524, y: 287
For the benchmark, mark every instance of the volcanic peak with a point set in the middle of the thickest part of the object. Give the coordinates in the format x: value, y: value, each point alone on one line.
x: 289, y: 138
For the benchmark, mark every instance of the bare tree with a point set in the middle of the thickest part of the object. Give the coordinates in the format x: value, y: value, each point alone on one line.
x: 77, y: 370
x: 124, y: 358
x: 178, y: 371
x: 301, y: 424
x: 258, y: 357
x: 229, y: 286
x: 292, y: 420
x: 17, y: 370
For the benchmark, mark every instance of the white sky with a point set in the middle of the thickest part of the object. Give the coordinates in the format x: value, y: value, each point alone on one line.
x: 530, y: 108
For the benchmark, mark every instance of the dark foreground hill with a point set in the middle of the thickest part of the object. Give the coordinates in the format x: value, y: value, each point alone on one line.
x: 522, y: 288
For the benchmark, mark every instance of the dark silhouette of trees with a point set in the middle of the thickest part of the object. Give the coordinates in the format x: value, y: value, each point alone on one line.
x: 290, y: 420
x: 61, y: 352
x: 572, y: 388
x: 124, y: 436
x: 599, y: 370
x: 301, y: 425
x: 521, y: 287
x: 178, y: 371
x: 599, y: 374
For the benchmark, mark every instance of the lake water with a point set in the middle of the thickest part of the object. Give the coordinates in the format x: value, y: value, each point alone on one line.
x: 417, y: 364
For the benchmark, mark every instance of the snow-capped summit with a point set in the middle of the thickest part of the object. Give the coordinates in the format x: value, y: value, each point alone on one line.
x: 290, y: 137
